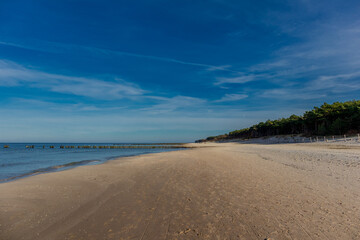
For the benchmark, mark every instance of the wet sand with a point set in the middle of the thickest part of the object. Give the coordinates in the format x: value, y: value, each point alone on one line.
x: 224, y: 191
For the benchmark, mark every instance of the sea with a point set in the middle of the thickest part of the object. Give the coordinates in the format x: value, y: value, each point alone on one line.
x: 19, y: 160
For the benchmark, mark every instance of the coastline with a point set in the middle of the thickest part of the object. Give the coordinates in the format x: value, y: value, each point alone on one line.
x: 61, y: 163
x: 227, y: 190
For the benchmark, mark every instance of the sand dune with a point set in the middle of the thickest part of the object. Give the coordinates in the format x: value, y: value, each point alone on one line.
x: 223, y: 191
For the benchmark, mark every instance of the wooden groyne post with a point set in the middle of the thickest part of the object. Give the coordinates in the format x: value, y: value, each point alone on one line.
x: 149, y: 146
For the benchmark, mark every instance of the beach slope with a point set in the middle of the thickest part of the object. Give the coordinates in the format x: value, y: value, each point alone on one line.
x: 221, y: 191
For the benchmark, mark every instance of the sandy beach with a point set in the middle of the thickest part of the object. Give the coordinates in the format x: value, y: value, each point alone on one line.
x: 219, y: 191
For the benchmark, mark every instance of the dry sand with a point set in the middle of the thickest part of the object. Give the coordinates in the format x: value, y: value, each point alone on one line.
x: 226, y: 191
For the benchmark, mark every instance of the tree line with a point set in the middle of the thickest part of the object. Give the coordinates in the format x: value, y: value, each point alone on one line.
x: 329, y: 119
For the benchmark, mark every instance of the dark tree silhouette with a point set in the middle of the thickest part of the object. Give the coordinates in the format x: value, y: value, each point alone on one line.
x: 329, y: 119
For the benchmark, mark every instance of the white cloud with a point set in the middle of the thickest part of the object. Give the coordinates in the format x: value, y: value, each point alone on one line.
x: 175, y: 103
x: 55, y: 46
x: 12, y: 74
x: 219, y: 68
x: 324, y: 63
x: 18, y: 103
x: 321, y: 87
x: 239, y: 79
x: 290, y: 94
x: 232, y: 97
x: 336, y: 83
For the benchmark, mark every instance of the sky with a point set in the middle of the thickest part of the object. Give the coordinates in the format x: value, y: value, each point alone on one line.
x: 169, y: 71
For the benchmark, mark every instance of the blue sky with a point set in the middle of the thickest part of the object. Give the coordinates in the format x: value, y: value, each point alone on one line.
x: 164, y: 71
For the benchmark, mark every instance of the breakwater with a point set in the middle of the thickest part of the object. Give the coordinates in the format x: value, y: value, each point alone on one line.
x: 130, y: 146
x: 26, y: 159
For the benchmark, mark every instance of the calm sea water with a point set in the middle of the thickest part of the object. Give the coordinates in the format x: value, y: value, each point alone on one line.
x: 17, y: 161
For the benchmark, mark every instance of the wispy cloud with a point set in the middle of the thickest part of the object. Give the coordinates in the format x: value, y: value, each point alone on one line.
x: 175, y: 103
x: 59, y: 107
x: 232, y: 97
x: 219, y: 68
x: 290, y: 94
x: 324, y: 61
x: 12, y: 74
x: 238, y: 79
x: 15, y: 75
x: 336, y: 83
x: 60, y: 47
x: 320, y: 87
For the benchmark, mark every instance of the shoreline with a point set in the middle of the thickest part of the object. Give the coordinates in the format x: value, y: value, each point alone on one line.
x: 229, y: 190
x: 75, y: 164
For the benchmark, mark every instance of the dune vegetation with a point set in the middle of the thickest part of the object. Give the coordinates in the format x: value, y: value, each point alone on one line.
x: 329, y: 119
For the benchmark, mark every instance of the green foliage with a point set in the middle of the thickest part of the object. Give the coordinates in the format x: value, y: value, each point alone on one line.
x: 322, y: 129
x: 335, y: 126
x: 337, y: 118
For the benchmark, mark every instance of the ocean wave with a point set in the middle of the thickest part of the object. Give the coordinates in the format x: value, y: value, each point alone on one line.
x: 49, y: 169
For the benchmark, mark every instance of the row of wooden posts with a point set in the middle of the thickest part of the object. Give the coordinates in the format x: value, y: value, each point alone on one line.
x: 317, y: 139
x: 107, y: 147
